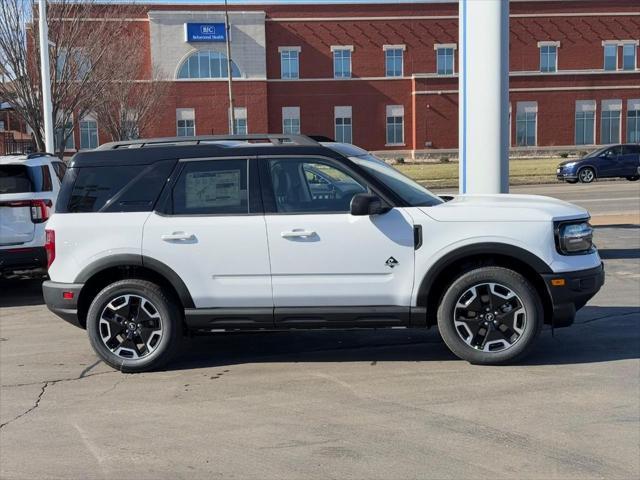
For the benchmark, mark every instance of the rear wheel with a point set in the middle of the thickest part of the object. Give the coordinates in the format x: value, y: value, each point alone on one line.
x: 490, y: 316
x: 133, y: 326
x: 587, y: 175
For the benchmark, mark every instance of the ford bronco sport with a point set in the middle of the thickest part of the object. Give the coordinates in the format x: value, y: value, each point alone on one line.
x: 153, y: 239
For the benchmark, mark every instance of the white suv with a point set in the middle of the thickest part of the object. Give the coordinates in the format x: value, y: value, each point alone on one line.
x: 29, y: 185
x: 152, y: 239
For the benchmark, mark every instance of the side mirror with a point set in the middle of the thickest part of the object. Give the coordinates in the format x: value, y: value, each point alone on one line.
x: 364, y: 204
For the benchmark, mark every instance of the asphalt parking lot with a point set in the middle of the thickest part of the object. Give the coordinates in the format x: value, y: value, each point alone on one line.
x: 385, y: 404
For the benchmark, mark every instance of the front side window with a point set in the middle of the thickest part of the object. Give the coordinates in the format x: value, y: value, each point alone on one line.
x: 610, y: 56
x: 88, y: 134
x: 393, y: 62
x: 633, y: 124
x: 312, y: 186
x: 548, y: 58
x: 342, y: 63
x: 629, y: 56
x: 610, y: 124
x: 212, y: 187
x: 205, y: 64
x: 290, y: 63
x: 444, y: 60
x: 526, y: 124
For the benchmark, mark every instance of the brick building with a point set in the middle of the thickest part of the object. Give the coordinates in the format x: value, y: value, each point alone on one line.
x: 383, y: 75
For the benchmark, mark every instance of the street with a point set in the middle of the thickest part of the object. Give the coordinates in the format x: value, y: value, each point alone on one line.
x: 372, y: 404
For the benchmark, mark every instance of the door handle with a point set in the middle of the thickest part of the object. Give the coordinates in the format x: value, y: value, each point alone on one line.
x: 298, y: 233
x: 168, y: 237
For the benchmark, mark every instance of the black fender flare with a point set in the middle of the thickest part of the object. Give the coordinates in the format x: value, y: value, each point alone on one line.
x: 485, y: 248
x: 128, y: 259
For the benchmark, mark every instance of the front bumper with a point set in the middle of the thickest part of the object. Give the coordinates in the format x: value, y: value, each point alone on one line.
x: 62, y: 299
x: 14, y: 260
x: 570, y: 291
x: 564, y: 174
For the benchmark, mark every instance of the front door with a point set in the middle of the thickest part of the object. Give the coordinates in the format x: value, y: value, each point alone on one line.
x: 329, y: 266
x: 210, y: 230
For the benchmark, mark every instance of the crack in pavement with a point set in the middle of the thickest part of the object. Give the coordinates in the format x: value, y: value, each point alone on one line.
x: 58, y: 380
x: 35, y: 405
x: 604, y: 317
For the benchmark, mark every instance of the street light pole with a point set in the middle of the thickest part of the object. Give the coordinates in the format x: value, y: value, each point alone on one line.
x: 232, y: 116
x: 47, y: 109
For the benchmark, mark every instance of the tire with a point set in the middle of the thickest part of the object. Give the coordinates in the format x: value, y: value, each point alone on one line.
x: 490, y: 349
x: 586, y: 175
x: 148, y: 339
x: 633, y: 178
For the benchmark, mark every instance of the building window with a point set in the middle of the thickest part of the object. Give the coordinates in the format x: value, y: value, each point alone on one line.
x: 185, y: 122
x: 64, y: 134
x: 395, y: 125
x: 88, y: 133
x: 72, y: 64
x: 289, y: 62
x: 206, y: 64
x: 585, y: 122
x: 610, y: 56
x: 342, y: 61
x: 629, y: 56
x: 240, y: 119
x: 633, y: 120
x: 343, y: 124
x: 526, y: 124
x: 445, y: 58
x: 548, y: 56
x: 610, y: 124
x: 393, y: 61
x: 291, y: 120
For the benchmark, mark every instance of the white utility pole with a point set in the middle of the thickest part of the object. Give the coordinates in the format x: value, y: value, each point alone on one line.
x: 232, y: 116
x: 47, y: 109
x: 484, y: 96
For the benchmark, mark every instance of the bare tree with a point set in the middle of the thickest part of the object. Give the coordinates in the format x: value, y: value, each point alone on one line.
x: 80, y: 56
x: 128, y: 106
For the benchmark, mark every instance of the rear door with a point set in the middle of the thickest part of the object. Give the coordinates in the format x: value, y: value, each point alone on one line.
x: 327, y: 265
x: 210, y: 230
x: 608, y: 163
x: 630, y: 160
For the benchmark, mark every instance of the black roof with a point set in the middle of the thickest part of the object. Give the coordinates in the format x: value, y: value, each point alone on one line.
x: 147, y: 151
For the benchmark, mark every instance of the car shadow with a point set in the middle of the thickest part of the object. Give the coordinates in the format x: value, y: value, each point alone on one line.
x: 633, y: 226
x: 618, y: 253
x: 600, y: 334
x: 21, y: 292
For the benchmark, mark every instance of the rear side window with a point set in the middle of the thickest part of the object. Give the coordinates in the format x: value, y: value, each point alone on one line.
x: 24, y: 179
x: 630, y: 149
x: 120, y: 188
x: 216, y: 187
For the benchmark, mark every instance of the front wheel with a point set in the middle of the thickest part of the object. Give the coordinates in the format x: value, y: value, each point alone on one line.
x: 490, y: 316
x: 133, y: 326
x: 587, y: 175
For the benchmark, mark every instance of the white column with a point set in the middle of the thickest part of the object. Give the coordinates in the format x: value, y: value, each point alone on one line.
x: 47, y: 109
x: 484, y: 96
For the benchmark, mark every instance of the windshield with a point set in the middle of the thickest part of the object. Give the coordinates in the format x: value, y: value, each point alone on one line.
x: 410, y: 191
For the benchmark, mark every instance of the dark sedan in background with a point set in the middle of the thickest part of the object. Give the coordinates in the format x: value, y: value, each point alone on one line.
x: 608, y: 162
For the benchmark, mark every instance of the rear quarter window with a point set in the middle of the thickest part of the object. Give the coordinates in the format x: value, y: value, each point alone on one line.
x: 122, y: 188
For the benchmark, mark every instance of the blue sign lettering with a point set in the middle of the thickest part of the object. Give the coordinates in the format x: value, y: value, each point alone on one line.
x: 205, y: 32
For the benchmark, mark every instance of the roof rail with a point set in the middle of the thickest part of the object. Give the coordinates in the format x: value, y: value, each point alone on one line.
x: 39, y: 154
x: 276, y: 139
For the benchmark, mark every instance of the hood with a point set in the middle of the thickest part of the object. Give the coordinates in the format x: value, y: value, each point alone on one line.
x: 504, y: 208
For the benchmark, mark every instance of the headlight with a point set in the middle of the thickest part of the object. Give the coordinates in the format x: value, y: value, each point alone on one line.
x: 570, y: 164
x: 574, y: 237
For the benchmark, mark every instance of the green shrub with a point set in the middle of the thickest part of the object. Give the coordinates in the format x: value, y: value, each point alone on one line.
x: 400, y: 160
x: 444, y: 159
x: 564, y: 155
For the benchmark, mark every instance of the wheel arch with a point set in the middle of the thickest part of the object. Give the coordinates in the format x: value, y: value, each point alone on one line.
x: 104, y: 271
x: 439, y: 276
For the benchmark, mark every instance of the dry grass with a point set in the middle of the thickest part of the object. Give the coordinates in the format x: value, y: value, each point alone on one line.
x: 537, y: 170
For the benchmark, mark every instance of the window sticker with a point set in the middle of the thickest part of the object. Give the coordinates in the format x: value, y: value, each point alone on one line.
x: 213, y: 189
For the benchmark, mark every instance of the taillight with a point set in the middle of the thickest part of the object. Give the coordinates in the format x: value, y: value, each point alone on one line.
x: 50, y: 246
x: 40, y: 210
